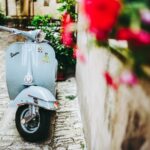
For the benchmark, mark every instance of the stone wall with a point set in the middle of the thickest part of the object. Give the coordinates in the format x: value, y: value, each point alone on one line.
x: 113, y: 120
x: 39, y: 8
x: 2, y: 5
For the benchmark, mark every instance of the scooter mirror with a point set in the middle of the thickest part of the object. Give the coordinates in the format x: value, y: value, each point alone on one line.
x: 40, y: 36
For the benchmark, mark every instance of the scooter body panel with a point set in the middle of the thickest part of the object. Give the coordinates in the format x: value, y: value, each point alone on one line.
x: 36, y: 95
x: 31, y: 69
x: 43, y: 66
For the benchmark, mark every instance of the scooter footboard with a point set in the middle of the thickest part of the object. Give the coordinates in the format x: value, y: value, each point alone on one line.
x: 38, y: 96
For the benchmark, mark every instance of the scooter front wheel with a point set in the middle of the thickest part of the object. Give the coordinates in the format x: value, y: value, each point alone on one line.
x: 36, y: 129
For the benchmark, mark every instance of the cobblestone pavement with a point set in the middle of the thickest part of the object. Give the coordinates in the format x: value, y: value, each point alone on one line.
x: 67, y: 132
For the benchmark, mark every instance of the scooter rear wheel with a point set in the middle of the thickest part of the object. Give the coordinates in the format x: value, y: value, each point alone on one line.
x: 35, y: 130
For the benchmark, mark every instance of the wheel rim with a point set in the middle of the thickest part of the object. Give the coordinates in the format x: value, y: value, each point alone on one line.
x: 33, y: 125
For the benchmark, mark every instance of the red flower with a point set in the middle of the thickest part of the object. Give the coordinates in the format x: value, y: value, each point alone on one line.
x: 108, y: 78
x: 110, y: 81
x: 66, y: 34
x: 125, y: 34
x: 67, y: 39
x: 136, y: 39
x: 102, y: 15
x: 99, y: 34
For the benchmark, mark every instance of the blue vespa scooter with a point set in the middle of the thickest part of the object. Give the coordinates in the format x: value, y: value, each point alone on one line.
x: 31, y: 68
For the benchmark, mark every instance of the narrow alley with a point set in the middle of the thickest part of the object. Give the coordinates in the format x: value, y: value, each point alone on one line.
x: 67, y: 133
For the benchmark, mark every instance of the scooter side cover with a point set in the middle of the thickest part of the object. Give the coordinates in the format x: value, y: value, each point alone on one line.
x: 37, y: 96
x: 43, y: 66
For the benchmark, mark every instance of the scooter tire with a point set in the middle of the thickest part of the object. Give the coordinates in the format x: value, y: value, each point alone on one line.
x: 41, y: 133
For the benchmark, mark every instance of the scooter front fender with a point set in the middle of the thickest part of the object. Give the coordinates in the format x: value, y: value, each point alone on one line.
x: 38, y: 96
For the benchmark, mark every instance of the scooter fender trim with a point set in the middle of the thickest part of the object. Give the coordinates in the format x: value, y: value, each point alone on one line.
x: 36, y: 95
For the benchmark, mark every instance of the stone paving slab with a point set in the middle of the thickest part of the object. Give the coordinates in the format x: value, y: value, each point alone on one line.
x: 68, y: 129
x: 67, y: 133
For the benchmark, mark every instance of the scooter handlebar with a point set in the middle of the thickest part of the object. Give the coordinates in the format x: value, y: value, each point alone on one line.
x: 35, y: 35
x: 9, y: 29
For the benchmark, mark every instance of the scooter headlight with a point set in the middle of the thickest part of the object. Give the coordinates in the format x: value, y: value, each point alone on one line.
x: 28, y: 79
x: 40, y: 36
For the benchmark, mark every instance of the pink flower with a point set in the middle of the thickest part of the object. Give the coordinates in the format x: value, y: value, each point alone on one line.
x: 145, y: 16
x: 137, y: 39
x: 66, y: 34
x: 142, y: 38
x: 67, y: 39
x: 77, y: 54
x: 128, y: 78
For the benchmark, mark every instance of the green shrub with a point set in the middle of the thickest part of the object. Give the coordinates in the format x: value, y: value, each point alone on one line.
x: 69, y: 7
x: 41, y: 20
x: 2, y: 18
x: 52, y: 29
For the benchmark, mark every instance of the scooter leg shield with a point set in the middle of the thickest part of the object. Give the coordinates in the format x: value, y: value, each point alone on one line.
x: 38, y: 96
